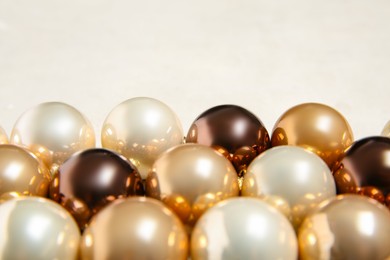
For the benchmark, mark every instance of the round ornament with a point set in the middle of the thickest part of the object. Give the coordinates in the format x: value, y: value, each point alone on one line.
x: 37, y: 228
x: 191, y: 178
x: 22, y: 172
x: 243, y: 228
x: 53, y: 131
x: 141, y: 129
x: 365, y: 169
x: 91, y: 179
x: 233, y: 131
x: 315, y: 127
x: 298, y: 176
x: 135, y: 228
x: 346, y: 227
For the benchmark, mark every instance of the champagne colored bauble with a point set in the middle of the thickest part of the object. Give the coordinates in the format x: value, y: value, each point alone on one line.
x: 386, y: 130
x: 315, y: 127
x: 233, y: 131
x: 141, y: 129
x: 135, y: 228
x: 3, y: 136
x: 346, y: 227
x: 243, y: 228
x: 298, y: 176
x: 365, y: 169
x: 22, y: 172
x: 37, y: 228
x: 91, y: 179
x: 191, y: 178
x: 53, y: 131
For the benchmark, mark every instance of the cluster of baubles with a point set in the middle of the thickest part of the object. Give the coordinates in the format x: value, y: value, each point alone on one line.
x: 227, y: 190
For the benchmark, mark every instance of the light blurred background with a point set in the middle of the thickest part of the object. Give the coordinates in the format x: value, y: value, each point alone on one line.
x: 263, y: 55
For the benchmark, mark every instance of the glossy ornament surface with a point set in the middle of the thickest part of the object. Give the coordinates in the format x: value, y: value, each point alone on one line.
x: 91, y: 179
x: 141, y: 129
x: 135, y: 228
x: 233, y: 131
x: 21, y: 171
x: 300, y: 177
x: 53, y: 131
x: 346, y: 227
x: 243, y: 228
x: 278, y: 203
x: 191, y: 178
x: 315, y: 127
x: 3, y: 136
x: 10, y: 195
x: 365, y: 169
x: 37, y: 228
x: 386, y: 130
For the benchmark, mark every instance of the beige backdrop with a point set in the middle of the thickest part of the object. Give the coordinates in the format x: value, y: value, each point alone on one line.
x: 263, y: 55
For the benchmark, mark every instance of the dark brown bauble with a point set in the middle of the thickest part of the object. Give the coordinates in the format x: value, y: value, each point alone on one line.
x: 365, y: 169
x: 233, y: 131
x: 90, y: 180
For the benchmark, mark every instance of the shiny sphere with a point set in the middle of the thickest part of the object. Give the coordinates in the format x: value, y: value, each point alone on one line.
x: 346, y: 227
x: 91, y: 179
x: 135, y: 228
x: 3, y: 136
x: 365, y: 169
x: 53, y: 131
x: 315, y: 127
x: 22, y: 172
x: 141, y: 129
x: 386, y: 130
x: 191, y: 178
x: 243, y: 228
x: 233, y: 131
x: 298, y: 176
x: 37, y: 228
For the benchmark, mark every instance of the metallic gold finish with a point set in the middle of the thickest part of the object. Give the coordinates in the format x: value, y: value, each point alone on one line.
x: 141, y: 129
x: 299, y: 177
x: 135, y: 228
x: 191, y: 178
x: 3, y: 136
x: 365, y: 169
x: 91, y: 179
x: 53, y: 131
x: 386, y: 130
x: 243, y: 228
x: 21, y: 171
x: 37, y: 228
x: 346, y: 227
x: 315, y: 127
x: 233, y: 131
